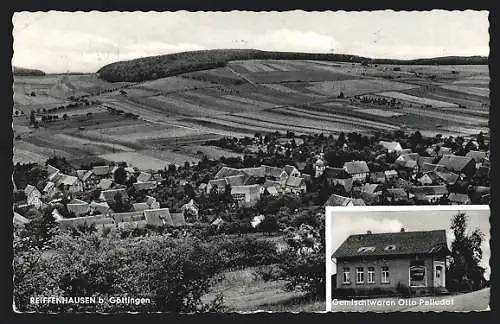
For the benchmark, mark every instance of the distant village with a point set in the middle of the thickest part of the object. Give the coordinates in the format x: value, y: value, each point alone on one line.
x: 276, y: 169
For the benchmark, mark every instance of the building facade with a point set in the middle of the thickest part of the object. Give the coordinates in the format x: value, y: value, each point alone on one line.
x: 393, y: 261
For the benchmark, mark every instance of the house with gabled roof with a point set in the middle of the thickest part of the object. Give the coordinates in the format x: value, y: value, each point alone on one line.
x: 220, y: 184
x: 158, y: 217
x: 70, y: 183
x: 296, y: 185
x: 459, y: 164
x: 18, y: 219
x: 377, y: 177
x: 102, y: 170
x: 88, y: 178
x: 246, y: 195
x: 447, y: 177
x: 391, y: 146
x: 148, y: 185
x: 52, y: 169
x: 459, y: 198
x: 291, y: 171
x: 109, y: 195
x: 33, y: 196
x: 99, y: 208
x: 429, y: 193
x: 144, y: 177
x: 396, y: 194
x: 424, y: 159
x: 358, y: 170
x: 429, y: 178
x: 78, y: 207
x: 386, y: 261
x: 337, y: 200
x: 478, y: 156
x: 429, y: 167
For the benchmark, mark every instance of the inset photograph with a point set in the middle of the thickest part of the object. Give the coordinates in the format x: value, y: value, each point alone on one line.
x: 412, y: 258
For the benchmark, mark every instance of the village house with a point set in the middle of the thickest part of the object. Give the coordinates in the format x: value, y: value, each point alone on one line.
x: 416, y: 260
x: 408, y: 162
x: 358, y: 170
x: 429, y: 193
x: 105, y: 184
x: 144, y: 177
x: 429, y: 167
x: 319, y: 167
x: 390, y: 175
x: 291, y: 171
x: 391, y: 146
x: 337, y: 200
x: 459, y: 164
x: 338, y: 176
x: 78, y: 207
x: 478, y: 156
x: 70, y: 183
x: 424, y: 159
x: 33, y: 196
x: 429, y: 178
x: 109, y: 195
x: 377, y: 177
x: 296, y: 185
x: 88, y: 178
x: 459, y: 199
x: 97, y: 208
x: 396, y: 194
x: 148, y: 185
x: 246, y: 195
x: 102, y: 171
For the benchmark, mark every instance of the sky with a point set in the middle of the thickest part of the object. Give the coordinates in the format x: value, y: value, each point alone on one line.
x: 343, y: 224
x: 85, y: 41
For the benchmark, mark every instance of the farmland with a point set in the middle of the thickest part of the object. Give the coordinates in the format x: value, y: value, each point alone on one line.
x: 154, y: 122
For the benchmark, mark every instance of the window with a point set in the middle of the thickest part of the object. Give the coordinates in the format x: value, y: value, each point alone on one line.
x: 346, y: 276
x: 360, y: 275
x: 371, y: 275
x: 417, y: 276
x: 439, y: 270
x: 385, y: 275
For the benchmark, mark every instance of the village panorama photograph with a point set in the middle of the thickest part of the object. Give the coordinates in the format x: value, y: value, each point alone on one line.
x: 408, y: 258
x: 182, y: 161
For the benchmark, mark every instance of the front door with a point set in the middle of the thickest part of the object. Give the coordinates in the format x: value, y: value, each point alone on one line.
x: 439, y: 275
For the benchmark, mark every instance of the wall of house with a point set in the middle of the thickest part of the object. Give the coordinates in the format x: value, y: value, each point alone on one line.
x: 398, y: 272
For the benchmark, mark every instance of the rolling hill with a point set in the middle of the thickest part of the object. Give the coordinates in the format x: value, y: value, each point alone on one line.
x: 24, y: 71
x: 156, y: 67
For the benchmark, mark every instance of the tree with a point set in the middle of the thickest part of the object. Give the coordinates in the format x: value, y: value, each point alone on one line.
x: 464, y: 272
x: 120, y: 175
x: 65, y: 116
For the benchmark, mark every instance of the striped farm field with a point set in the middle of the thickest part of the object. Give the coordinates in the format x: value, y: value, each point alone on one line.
x: 339, y: 117
x: 284, y: 89
x: 478, y: 91
x: 379, y: 112
x: 231, y: 126
x: 453, y: 117
x: 295, y: 123
x: 417, y: 100
x: 214, y: 101
x: 357, y: 86
x: 447, y: 95
x: 175, y: 84
x: 177, y: 106
x: 248, y: 101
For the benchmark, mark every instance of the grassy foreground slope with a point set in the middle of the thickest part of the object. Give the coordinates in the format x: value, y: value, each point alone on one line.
x: 155, y: 67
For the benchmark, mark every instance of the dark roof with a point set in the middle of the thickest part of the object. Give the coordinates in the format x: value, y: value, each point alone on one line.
x: 405, y: 243
x: 236, y: 180
x: 483, y: 172
x: 355, y: 167
x: 478, y: 156
x: 459, y: 197
x: 336, y: 173
x: 397, y: 193
x: 449, y: 177
x: 425, y: 159
x: 226, y: 172
x: 429, y: 190
x: 178, y: 219
x: 429, y: 167
x: 455, y: 162
x: 337, y: 200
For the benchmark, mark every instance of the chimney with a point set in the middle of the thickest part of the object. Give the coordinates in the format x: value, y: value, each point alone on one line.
x: 402, y: 229
x: 368, y: 232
